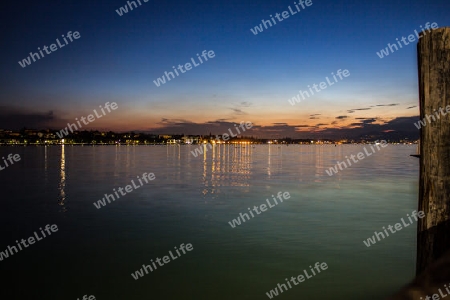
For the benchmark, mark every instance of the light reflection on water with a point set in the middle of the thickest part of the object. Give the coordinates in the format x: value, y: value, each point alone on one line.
x: 62, y: 183
x: 192, y: 200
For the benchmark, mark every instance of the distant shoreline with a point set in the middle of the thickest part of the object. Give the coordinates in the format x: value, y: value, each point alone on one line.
x: 230, y: 144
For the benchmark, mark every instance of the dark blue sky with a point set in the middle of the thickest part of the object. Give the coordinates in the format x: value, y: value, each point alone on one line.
x: 250, y: 78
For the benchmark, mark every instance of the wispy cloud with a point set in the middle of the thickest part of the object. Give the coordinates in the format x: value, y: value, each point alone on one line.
x: 238, y: 111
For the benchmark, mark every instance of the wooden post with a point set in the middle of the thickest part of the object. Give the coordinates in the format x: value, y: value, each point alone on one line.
x: 433, y: 231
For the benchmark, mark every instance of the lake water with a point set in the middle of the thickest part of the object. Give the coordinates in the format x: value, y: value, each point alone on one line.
x: 192, y: 199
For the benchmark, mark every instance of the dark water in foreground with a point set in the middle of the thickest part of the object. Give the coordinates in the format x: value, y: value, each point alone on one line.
x: 192, y: 200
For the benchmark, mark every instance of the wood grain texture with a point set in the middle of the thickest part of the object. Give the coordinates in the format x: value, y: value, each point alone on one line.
x: 433, y: 236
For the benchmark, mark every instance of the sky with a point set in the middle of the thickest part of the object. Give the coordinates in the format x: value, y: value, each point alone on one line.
x: 250, y: 78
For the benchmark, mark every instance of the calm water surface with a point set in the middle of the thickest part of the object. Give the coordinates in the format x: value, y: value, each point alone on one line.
x: 192, y: 200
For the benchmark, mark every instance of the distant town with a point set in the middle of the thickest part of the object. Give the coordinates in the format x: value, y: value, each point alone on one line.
x: 49, y: 137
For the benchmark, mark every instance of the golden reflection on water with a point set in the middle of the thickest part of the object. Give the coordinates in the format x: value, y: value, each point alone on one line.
x: 227, y: 163
x: 45, y: 164
x: 62, y: 182
x: 318, y: 163
x: 235, y: 164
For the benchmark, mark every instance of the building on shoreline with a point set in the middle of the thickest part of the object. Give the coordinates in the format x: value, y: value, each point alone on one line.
x: 49, y: 137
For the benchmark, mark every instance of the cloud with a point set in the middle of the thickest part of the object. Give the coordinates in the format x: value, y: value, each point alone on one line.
x: 398, y: 128
x: 368, y: 121
x: 364, y: 121
x: 190, y: 128
x: 403, y: 127
x: 238, y: 111
x: 238, y: 108
x: 16, y: 118
x: 352, y: 110
x: 174, y: 122
x: 411, y: 107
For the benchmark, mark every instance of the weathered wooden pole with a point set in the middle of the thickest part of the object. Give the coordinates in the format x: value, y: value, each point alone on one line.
x: 433, y: 231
